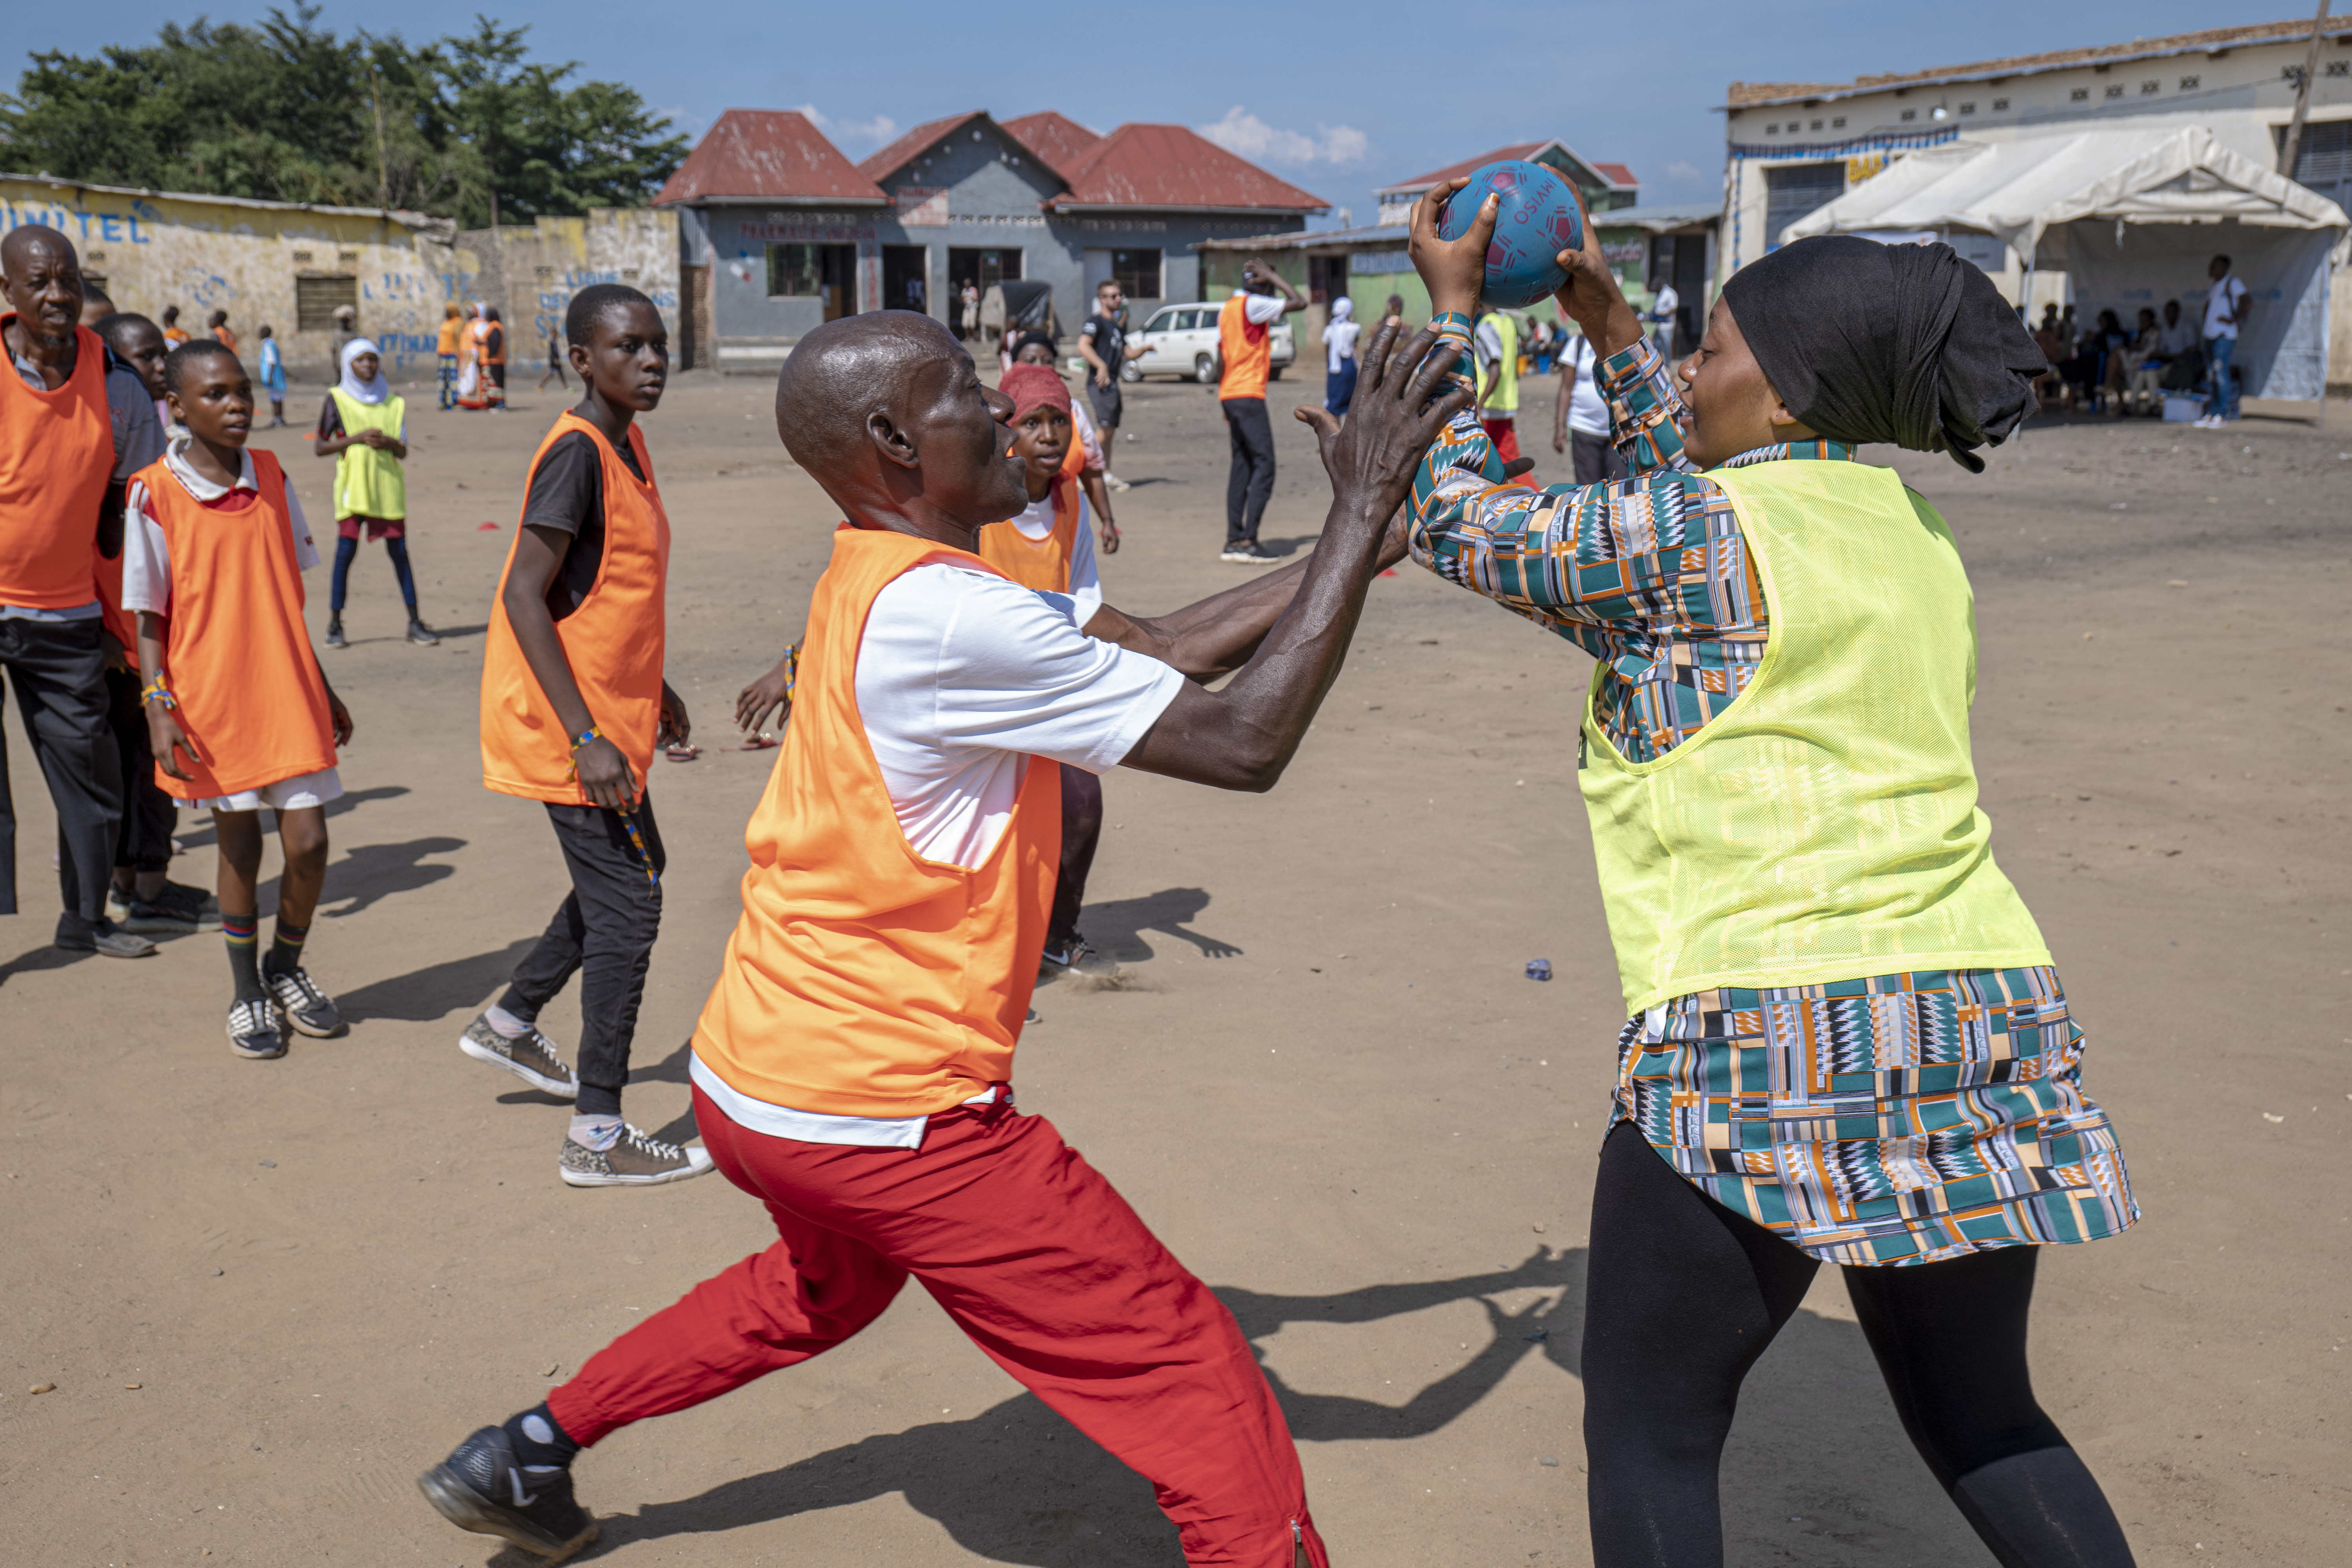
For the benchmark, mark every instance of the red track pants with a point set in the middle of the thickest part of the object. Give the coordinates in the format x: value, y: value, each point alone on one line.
x: 1036, y: 1257
x: 1504, y: 434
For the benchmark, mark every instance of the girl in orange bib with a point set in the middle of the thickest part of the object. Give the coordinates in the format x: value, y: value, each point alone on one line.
x: 241, y: 714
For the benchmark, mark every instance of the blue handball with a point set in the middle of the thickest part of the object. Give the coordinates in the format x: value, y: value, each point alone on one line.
x: 1535, y: 220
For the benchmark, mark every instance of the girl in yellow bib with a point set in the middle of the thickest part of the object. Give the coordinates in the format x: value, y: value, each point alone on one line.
x: 1846, y: 1043
x: 363, y: 425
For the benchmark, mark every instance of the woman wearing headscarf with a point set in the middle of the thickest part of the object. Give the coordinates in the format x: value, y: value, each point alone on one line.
x: 1086, y: 462
x: 1339, y: 367
x: 1846, y: 1043
x: 363, y: 425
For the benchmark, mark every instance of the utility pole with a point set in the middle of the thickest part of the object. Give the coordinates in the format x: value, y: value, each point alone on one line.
x: 383, y: 170
x: 2292, y: 147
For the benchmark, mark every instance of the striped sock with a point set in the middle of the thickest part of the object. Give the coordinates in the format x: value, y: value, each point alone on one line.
x: 285, y: 948
x: 242, y: 933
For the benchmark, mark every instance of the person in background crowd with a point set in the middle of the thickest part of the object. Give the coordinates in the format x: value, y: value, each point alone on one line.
x: 490, y: 353
x: 1102, y: 342
x: 61, y: 423
x: 1663, y: 308
x: 970, y: 310
x: 347, y: 327
x: 1496, y: 348
x: 1245, y: 349
x: 1543, y: 340
x: 216, y: 329
x: 2145, y: 366
x: 2180, y: 348
x: 1340, y: 361
x: 1393, y: 311
x: 273, y: 376
x: 2226, y: 307
x: 173, y: 334
x: 1579, y: 420
x: 1086, y: 460
x: 445, y: 349
x: 96, y: 306
x: 554, y: 360
x: 363, y: 425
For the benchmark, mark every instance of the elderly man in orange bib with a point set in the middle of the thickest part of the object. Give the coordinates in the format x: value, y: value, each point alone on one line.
x: 853, y: 1067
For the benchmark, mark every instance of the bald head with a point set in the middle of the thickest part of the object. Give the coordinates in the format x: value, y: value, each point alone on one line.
x: 44, y: 286
x: 887, y: 412
x: 29, y: 240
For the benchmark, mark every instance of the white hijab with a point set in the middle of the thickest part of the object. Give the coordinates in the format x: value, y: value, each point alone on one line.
x: 358, y: 391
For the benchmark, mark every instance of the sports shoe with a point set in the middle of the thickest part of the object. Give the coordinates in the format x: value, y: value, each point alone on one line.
x: 335, y: 638
x: 309, y: 1009
x: 1249, y: 554
x: 253, y: 1030
x: 422, y: 635
x: 530, y: 1055
x: 1075, y: 956
x: 158, y: 917
x: 102, y: 937
x: 484, y: 1488
x: 177, y: 907
x: 635, y: 1159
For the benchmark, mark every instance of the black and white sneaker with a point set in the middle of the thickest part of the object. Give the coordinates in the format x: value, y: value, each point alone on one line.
x: 483, y: 1487
x: 253, y: 1031
x: 1075, y: 956
x: 530, y: 1055
x: 309, y: 1009
x: 1250, y: 553
x: 422, y: 635
x: 635, y: 1159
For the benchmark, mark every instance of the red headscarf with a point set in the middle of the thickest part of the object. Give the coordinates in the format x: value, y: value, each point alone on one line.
x: 1034, y: 387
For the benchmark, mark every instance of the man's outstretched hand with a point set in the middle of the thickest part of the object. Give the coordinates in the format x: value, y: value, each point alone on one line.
x: 1404, y: 396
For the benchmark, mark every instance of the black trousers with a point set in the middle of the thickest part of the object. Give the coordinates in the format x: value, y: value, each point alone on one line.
x: 143, y: 840
x: 1595, y: 458
x: 1251, y: 483
x: 1082, y: 812
x: 605, y: 927
x: 59, y: 668
x: 1682, y: 1295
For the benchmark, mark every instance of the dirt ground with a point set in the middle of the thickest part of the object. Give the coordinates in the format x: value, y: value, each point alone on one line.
x: 1329, y: 1084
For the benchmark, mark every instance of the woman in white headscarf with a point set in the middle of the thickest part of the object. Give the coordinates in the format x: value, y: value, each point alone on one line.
x: 1339, y: 369
x: 364, y: 427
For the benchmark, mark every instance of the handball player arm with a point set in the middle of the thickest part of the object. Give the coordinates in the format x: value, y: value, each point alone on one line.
x: 1243, y: 736
x: 604, y: 774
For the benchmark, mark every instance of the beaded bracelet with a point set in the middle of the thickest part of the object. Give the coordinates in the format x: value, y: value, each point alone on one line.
x: 791, y: 671
x: 156, y: 691
x: 589, y: 733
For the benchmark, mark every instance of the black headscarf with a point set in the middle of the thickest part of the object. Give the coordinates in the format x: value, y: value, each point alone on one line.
x: 1901, y: 343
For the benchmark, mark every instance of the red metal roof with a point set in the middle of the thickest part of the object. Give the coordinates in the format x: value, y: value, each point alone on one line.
x: 1618, y: 175
x: 1054, y: 139
x: 767, y: 154
x: 911, y: 146
x: 1173, y: 167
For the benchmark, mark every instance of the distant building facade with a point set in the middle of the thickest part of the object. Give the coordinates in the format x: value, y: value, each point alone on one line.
x: 1602, y: 186
x: 779, y: 232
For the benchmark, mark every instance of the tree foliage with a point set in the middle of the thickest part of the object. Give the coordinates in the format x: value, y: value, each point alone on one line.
x: 467, y: 126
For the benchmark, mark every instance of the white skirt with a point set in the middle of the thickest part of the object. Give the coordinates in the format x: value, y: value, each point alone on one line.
x: 286, y: 794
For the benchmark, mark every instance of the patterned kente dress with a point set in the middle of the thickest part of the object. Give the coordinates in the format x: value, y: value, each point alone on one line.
x: 1888, y: 1120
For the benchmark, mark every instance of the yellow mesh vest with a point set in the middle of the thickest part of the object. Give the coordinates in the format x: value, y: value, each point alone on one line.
x: 1502, y: 381
x: 369, y: 483
x: 1825, y: 825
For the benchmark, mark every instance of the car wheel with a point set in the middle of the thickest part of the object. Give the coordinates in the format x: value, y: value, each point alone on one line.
x: 1275, y: 374
x: 1204, y: 368
x: 1131, y: 372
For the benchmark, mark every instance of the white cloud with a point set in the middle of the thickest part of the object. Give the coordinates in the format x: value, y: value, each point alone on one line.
x: 1682, y: 171
x: 871, y: 134
x: 1243, y: 132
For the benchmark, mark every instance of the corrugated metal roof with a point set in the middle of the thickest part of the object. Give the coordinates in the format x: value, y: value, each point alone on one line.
x: 1744, y: 94
x: 1618, y: 175
x: 1390, y: 234
x: 913, y: 144
x: 1054, y: 139
x: 767, y: 154
x: 1173, y: 167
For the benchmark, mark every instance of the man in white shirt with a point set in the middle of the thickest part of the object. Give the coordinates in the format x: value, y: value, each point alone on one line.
x: 2226, y: 306
x: 1662, y: 316
x: 1581, y: 418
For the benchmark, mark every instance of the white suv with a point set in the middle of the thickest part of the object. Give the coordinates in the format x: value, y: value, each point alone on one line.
x: 1183, y: 341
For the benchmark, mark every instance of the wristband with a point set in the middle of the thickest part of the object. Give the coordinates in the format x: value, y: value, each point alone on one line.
x: 589, y: 733
x: 791, y: 671
x: 156, y: 691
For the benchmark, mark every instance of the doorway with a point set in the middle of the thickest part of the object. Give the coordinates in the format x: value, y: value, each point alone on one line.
x: 984, y: 266
x: 828, y: 272
x: 906, y: 278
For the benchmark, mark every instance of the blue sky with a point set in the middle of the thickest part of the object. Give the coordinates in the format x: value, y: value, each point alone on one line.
x: 1338, y: 98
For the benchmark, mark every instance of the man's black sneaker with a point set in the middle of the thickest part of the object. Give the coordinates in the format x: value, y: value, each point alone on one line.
x: 422, y: 635
x: 158, y: 919
x: 1251, y: 554
x: 307, y: 1008
x: 530, y: 1055
x: 178, y: 909
x: 253, y: 1031
x: 335, y: 638
x: 100, y: 936
x: 484, y: 1489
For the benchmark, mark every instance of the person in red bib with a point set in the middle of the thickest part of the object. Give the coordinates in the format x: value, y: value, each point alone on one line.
x: 239, y: 714
x: 853, y: 1067
x: 573, y: 704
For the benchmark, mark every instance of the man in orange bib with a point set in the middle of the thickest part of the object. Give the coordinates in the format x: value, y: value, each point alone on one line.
x: 852, y: 1066
x: 239, y: 714
x: 1246, y: 353
x: 573, y: 704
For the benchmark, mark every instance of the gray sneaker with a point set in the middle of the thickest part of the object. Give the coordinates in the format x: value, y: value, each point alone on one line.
x: 310, y: 1010
x: 635, y: 1159
x: 530, y: 1055
x: 253, y: 1031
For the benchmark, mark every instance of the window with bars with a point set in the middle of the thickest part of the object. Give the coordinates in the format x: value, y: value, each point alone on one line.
x: 316, y: 300
x: 1792, y: 190
x: 2323, y: 159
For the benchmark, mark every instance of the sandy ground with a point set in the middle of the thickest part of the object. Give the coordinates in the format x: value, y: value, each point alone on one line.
x: 1329, y: 1084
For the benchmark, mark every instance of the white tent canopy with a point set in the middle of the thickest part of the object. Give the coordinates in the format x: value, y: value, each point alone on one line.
x: 2016, y: 190
x: 2132, y: 219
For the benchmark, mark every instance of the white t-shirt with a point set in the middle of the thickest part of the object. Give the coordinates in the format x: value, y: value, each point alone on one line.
x: 1587, y: 411
x: 1036, y: 520
x: 1662, y: 308
x: 2178, y: 338
x: 964, y: 676
x: 2223, y: 300
x: 1261, y: 309
x: 147, y: 559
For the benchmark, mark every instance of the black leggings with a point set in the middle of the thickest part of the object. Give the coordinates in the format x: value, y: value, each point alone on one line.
x: 1681, y: 1298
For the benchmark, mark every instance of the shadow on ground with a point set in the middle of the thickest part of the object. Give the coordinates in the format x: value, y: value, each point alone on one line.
x: 1117, y: 928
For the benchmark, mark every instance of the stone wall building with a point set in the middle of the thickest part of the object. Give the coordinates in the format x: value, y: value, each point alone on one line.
x: 530, y: 273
